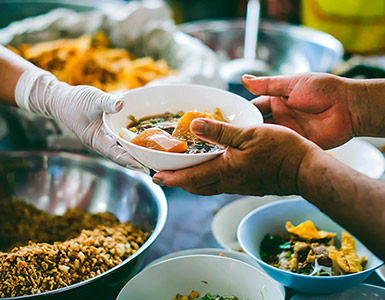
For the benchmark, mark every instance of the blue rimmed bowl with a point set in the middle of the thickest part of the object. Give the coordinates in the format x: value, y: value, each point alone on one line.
x: 271, y: 218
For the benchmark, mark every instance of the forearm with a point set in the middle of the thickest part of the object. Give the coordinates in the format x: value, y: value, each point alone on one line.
x: 11, y: 68
x: 367, y: 106
x: 352, y: 199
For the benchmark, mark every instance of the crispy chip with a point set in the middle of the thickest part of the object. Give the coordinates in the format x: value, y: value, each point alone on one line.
x: 347, y: 257
x: 333, y: 253
x: 88, y: 60
x: 308, y: 231
x: 182, y: 130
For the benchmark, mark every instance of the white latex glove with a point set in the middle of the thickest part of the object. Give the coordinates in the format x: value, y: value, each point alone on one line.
x: 79, y: 107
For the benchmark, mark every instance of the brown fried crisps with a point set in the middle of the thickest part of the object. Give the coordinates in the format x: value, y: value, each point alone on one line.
x: 89, y: 60
x: 307, y: 230
x: 347, y: 257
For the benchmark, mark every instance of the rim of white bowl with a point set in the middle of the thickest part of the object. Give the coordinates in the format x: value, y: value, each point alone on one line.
x: 110, y: 131
x: 266, y: 276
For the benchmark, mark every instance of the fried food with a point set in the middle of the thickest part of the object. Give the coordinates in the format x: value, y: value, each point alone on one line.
x: 307, y: 230
x: 309, y: 251
x: 347, y: 257
x: 62, y: 250
x: 90, y: 61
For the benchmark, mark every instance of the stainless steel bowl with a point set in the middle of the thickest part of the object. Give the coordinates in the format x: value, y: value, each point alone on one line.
x: 56, y: 181
x: 286, y: 48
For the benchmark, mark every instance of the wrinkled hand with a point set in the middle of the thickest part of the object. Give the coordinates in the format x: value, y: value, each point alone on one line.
x: 259, y: 160
x: 79, y: 107
x: 315, y: 105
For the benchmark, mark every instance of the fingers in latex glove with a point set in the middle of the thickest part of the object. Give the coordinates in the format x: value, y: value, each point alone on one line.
x: 97, y: 139
x: 78, y: 107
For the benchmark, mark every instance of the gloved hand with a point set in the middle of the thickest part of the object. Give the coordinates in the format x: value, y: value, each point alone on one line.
x: 79, y: 107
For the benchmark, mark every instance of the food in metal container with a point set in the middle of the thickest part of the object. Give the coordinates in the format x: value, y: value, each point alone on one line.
x: 171, y: 132
x: 309, y: 251
x: 89, y: 60
x: 62, y: 250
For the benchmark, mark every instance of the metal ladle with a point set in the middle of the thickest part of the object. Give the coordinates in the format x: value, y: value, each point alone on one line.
x: 249, y: 64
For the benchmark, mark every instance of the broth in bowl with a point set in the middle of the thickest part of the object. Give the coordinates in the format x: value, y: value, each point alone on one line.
x: 171, y: 132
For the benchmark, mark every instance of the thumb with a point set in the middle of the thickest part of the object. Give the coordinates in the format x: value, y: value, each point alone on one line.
x: 217, y: 132
x: 111, y: 103
x: 272, y: 86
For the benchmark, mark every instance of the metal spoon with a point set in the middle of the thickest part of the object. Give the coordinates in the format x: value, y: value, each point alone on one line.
x: 234, y: 69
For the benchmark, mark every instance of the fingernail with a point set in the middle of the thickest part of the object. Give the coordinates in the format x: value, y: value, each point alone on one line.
x: 118, y: 105
x: 158, y: 181
x: 199, y: 127
x: 249, y: 76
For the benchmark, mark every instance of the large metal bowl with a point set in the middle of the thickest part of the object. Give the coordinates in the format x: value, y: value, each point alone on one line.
x: 56, y: 181
x: 286, y: 48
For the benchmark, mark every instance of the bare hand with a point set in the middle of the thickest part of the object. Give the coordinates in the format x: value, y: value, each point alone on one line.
x: 315, y: 105
x: 259, y: 160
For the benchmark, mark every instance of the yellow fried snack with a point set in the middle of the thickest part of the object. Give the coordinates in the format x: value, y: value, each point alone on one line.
x: 89, y: 60
x: 347, y: 257
x: 333, y: 253
x: 308, y: 231
x: 182, y: 130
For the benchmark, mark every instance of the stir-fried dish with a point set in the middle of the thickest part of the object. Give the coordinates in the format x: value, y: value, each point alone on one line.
x: 92, y: 61
x: 40, y: 252
x: 207, y: 296
x: 309, y: 251
x: 170, y: 132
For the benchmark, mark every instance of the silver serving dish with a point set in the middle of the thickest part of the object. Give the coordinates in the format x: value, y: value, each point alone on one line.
x: 56, y: 181
x: 286, y: 48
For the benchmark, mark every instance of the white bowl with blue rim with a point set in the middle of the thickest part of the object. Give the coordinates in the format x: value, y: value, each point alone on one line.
x: 271, y: 219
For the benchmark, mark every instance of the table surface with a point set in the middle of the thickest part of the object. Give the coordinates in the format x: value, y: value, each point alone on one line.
x: 188, y: 226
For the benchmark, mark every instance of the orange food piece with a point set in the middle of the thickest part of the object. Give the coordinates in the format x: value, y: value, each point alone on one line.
x: 217, y: 115
x: 182, y: 130
x: 308, y: 231
x: 158, y: 139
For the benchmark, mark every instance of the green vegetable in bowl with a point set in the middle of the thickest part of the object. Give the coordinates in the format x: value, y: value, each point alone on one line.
x: 207, y: 296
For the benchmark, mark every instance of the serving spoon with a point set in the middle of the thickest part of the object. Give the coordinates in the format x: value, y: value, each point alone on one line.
x: 233, y: 70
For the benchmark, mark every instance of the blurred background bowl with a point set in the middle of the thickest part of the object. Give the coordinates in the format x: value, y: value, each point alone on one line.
x: 159, y: 99
x: 225, y: 222
x: 359, y: 292
x: 271, y: 218
x: 202, y: 273
x: 56, y: 181
x: 286, y: 48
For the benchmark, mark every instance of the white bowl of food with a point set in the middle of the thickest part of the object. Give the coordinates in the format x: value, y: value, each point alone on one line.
x: 145, y: 109
x: 216, y: 252
x: 219, y: 276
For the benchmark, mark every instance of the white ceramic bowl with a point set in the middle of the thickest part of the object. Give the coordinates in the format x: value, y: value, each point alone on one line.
x: 225, y: 222
x: 381, y: 273
x: 359, y: 292
x: 202, y: 273
x: 216, y: 252
x: 361, y: 156
x: 159, y: 99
